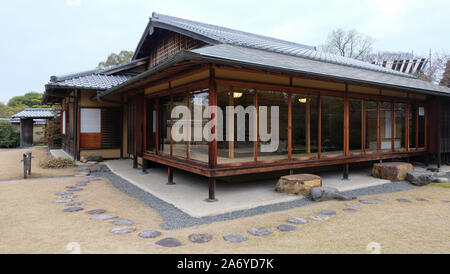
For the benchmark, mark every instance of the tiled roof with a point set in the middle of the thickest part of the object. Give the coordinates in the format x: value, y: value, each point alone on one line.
x: 296, y: 64
x: 271, y: 61
x: 35, y: 113
x: 17, y: 121
x: 221, y: 35
x: 90, y: 80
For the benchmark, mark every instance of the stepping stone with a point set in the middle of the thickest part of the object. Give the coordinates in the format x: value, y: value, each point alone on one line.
x: 75, y: 204
x: 81, y: 184
x: 368, y: 202
x: 103, y: 217
x: 297, y: 220
x: 63, y: 201
x: 402, y: 200
x: 69, y: 196
x: 349, y: 209
x: 445, y: 201
x: 82, y: 174
x: 286, y: 228
x: 73, y: 209
x: 381, y: 199
x: 63, y: 193
x: 235, y: 238
x: 421, y: 200
x: 200, y: 238
x: 353, y: 205
x: 122, y: 222
x: 319, y: 218
x: 123, y: 230
x: 96, y: 211
x: 260, y: 231
x: 75, y: 189
x: 168, y: 242
x: 149, y: 234
x: 328, y: 212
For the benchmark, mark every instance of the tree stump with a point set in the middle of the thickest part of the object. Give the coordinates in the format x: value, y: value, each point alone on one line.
x: 300, y: 184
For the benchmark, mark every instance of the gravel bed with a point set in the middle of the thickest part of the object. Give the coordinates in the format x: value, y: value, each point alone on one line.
x: 174, y: 218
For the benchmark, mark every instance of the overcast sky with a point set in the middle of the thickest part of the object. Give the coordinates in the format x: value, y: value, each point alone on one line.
x: 57, y: 37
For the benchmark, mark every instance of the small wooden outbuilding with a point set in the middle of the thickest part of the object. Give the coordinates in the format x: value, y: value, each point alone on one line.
x: 27, y: 118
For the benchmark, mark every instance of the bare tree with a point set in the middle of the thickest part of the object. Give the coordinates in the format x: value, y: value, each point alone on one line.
x: 436, y: 67
x: 352, y: 43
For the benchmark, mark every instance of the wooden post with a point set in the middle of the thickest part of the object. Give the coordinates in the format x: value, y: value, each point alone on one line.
x: 212, y: 190
x: 308, y: 125
x: 319, y: 128
x: 144, y: 166
x: 378, y: 126
x: 25, y: 163
x: 392, y: 127
x: 212, y: 145
x: 346, y: 123
x: 135, y: 163
x: 407, y: 127
x: 231, y: 127
x: 364, y: 127
x: 170, y: 176
x: 256, y: 127
x: 345, y: 176
x: 290, y: 126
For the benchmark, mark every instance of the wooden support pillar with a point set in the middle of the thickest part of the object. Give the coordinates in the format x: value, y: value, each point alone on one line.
x: 345, y: 176
x: 144, y: 166
x: 231, y: 127
x: 212, y: 190
x: 135, y: 163
x: 291, y: 172
x: 308, y: 125
x: 170, y: 176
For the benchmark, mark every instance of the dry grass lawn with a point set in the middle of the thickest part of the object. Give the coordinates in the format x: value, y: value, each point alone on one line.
x: 33, y: 223
x: 12, y: 167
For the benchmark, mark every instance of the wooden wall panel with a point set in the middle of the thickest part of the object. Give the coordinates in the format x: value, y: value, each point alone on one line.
x: 90, y: 140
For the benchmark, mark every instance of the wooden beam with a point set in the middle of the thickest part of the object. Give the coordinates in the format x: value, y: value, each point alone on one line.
x: 319, y: 128
x: 212, y: 145
x: 378, y: 126
x: 290, y: 125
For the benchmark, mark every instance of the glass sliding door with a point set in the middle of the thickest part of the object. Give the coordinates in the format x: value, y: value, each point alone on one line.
x: 273, y: 143
x: 412, y: 126
x: 421, y: 126
x: 239, y: 125
x: 198, y: 146
x: 332, y: 113
x: 371, y: 123
x: 304, y: 125
x: 164, y: 125
x: 400, y: 126
x: 386, y: 125
x: 355, y: 124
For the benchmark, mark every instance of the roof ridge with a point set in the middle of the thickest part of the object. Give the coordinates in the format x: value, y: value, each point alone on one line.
x: 158, y: 16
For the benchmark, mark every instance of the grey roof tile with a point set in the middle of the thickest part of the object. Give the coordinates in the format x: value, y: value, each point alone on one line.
x: 254, y: 57
x: 34, y: 113
x: 90, y: 81
x: 222, y: 35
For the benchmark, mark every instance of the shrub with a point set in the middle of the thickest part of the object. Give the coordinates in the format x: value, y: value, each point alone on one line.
x: 9, y: 137
x: 56, y: 162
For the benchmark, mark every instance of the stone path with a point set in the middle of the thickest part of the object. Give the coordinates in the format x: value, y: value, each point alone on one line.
x: 123, y: 230
x: 297, y: 220
x: 149, y: 234
x: 286, y: 228
x: 235, y: 238
x: 168, y: 242
x: 198, y: 238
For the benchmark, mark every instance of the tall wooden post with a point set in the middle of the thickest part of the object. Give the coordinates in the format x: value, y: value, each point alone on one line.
x: 212, y: 145
x: 308, y: 125
x: 170, y: 176
x: 230, y: 122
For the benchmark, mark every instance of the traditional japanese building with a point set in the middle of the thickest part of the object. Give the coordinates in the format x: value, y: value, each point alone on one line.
x: 332, y: 110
